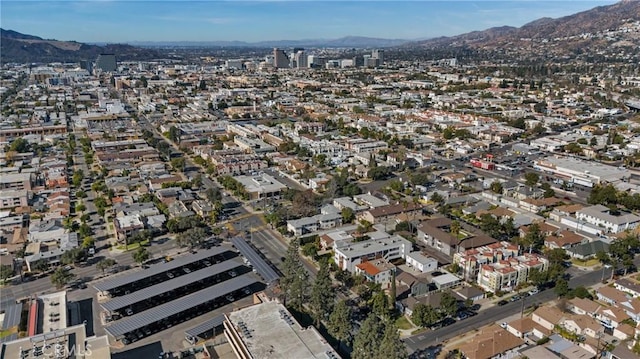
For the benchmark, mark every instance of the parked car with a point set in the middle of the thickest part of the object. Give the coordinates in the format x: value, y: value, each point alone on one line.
x: 502, y: 302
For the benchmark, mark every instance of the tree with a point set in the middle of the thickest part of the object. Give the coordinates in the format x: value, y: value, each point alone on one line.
x: 88, y: 242
x: 6, y: 272
x: 294, y: 279
x: 380, y: 304
x: 347, y: 215
x: 531, y: 179
x: 81, y: 194
x: 191, y: 237
x: 61, y: 277
x: 561, y: 288
x: 72, y: 256
x: 322, y: 294
x: 593, y: 141
x: 366, y: 344
x: 425, y: 316
x: 548, y: 191
x: 437, y: 198
x: 454, y: 228
x: 81, y: 207
x: 538, y: 278
x: 40, y: 265
x: 105, y: 264
x: 141, y: 255
x: 391, y: 347
x: 448, y: 304
x: 339, y: 325
x: 534, y: 239
x: 213, y: 195
x: 496, y: 187
x: 197, y: 181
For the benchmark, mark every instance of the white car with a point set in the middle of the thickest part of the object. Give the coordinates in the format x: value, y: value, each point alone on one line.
x: 504, y: 325
x: 534, y: 291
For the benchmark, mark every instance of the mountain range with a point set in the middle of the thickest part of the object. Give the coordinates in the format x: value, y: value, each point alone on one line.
x: 23, y: 48
x: 591, y: 21
x: 343, y: 42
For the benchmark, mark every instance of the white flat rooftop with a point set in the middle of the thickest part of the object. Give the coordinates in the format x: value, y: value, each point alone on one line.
x: 274, y: 334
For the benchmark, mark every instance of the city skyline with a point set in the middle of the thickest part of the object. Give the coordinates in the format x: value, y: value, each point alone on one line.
x: 254, y: 21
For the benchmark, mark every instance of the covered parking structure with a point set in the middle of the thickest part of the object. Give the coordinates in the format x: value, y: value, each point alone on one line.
x: 179, y: 310
x: 156, y: 273
x: 155, y: 294
x: 205, y: 330
x: 259, y: 264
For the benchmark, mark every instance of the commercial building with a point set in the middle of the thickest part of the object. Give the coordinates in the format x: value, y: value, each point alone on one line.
x: 106, y: 63
x: 581, y: 172
x: 261, y: 186
x: 378, y: 55
x: 280, y: 59
x: 348, y: 255
x: 268, y: 330
x: 48, y: 332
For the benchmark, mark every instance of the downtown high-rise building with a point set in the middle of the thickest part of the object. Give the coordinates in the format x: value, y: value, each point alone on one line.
x: 106, y: 63
x: 280, y: 59
x: 300, y: 59
x: 379, y: 55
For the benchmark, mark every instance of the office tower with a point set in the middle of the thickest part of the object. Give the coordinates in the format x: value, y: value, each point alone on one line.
x: 280, y: 59
x: 86, y: 65
x: 106, y: 63
x: 358, y: 61
x: 300, y: 59
x: 378, y: 54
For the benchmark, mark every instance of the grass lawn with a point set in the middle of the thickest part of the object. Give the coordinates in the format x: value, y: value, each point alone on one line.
x: 403, y: 323
x: 588, y: 263
x: 132, y: 246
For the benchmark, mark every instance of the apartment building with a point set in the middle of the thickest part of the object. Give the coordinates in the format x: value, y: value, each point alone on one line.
x: 377, y: 271
x: 17, y: 181
x: 14, y: 198
x: 471, y: 260
x: 601, y: 216
x: 347, y: 255
x: 505, y: 275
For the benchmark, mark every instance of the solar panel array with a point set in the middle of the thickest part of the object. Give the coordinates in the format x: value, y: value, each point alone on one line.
x: 155, y: 314
x: 259, y: 264
x: 169, y: 285
x: 118, y: 281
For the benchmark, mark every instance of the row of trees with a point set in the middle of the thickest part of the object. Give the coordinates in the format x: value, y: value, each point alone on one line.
x: 378, y: 337
x: 425, y: 315
x: 231, y: 184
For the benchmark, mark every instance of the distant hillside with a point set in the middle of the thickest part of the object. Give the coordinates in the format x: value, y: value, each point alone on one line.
x: 343, y: 42
x: 592, y: 21
x: 22, y: 48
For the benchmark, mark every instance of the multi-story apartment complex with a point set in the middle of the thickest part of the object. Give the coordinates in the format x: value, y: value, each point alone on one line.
x: 505, y: 275
x: 17, y: 181
x: 471, y: 260
x: 347, y: 255
x: 601, y: 216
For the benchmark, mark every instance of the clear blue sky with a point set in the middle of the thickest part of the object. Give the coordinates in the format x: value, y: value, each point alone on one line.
x: 122, y: 21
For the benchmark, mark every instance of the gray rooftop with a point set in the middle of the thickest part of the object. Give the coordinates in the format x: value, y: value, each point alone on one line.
x: 169, y: 285
x: 115, y: 282
x: 150, y: 316
x: 259, y: 264
x: 206, y: 326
